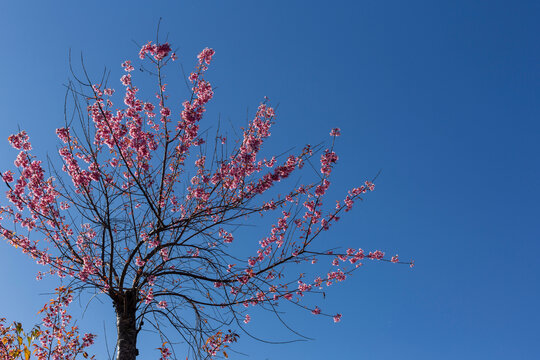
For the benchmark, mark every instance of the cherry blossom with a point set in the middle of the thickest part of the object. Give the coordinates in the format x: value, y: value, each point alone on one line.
x: 149, y: 209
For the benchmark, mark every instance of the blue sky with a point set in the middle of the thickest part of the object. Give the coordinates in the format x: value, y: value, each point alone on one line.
x: 442, y: 96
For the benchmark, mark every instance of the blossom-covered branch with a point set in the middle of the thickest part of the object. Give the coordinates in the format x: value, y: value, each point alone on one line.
x: 146, y: 210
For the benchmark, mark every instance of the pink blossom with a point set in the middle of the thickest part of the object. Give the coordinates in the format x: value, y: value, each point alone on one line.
x: 165, y: 111
x: 149, y: 296
x: 164, y: 252
x: 148, y: 107
x: 8, y: 176
x: 139, y: 262
x: 63, y: 134
x: 88, y: 339
x: 327, y: 160
x: 206, y: 56
x: 162, y: 304
x: 20, y: 141
x: 376, y: 255
x: 127, y: 66
x: 162, y: 51
x: 126, y: 80
x: 227, y: 237
x: 147, y: 48
x: 370, y: 185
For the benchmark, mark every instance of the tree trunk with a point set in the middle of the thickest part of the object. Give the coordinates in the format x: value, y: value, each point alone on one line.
x: 125, y: 306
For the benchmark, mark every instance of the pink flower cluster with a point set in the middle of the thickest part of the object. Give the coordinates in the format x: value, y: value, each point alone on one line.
x: 31, y: 190
x: 193, y: 110
x: 81, y: 178
x: 227, y: 237
x: 149, y: 296
x: 20, y: 141
x: 277, y: 235
x: 127, y: 66
x: 219, y: 341
x: 159, y: 51
x: 58, y: 340
x: 328, y: 159
x: 91, y: 266
x: 162, y: 304
x: 349, y: 199
x: 206, y: 56
x: 243, y: 163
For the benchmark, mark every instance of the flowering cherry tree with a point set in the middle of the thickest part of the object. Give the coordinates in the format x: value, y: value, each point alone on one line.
x: 146, y: 209
x: 55, y: 339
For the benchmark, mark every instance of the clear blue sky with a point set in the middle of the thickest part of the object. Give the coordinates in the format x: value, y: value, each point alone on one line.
x: 442, y: 96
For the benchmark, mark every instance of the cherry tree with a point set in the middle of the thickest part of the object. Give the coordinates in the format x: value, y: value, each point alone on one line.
x: 145, y: 207
x: 56, y: 339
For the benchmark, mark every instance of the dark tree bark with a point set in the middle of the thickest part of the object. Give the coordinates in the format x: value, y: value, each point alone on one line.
x: 125, y: 306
